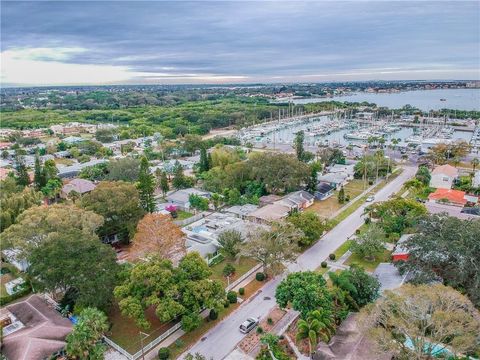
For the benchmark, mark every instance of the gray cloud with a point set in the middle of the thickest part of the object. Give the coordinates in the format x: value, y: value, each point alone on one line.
x: 259, y: 40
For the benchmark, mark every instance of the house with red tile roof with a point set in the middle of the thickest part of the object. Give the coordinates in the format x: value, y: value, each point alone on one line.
x: 453, y: 197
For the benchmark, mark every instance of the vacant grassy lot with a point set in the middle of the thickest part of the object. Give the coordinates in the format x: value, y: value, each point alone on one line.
x: 182, y: 215
x: 241, y: 267
x: 367, y: 264
x: 126, y: 333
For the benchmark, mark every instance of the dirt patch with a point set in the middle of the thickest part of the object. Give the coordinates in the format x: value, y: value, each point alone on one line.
x: 250, y: 341
x: 302, y: 345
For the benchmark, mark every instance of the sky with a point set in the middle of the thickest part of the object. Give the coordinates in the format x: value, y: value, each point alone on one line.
x: 184, y: 42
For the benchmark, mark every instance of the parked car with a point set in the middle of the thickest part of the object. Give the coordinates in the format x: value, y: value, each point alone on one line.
x: 370, y: 198
x: 248, y: 325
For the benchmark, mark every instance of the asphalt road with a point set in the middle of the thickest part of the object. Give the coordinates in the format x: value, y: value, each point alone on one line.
x: 223, y: 338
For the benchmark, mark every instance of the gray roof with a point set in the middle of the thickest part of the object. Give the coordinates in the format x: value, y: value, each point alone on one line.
x: 324, y: 188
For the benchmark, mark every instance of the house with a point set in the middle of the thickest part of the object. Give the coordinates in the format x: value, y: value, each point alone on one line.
x: 443, y: 177
x: 4, y: 173
x: 336, y: 180
x: 181, y: 197
x: 297, y: 200
x: 400, y: 252
x: 241, y: 211
x: 324, y: 191
x: 453, y: 197
x: 73, y: 170
x: 268, y: 213
x: 80, y: 186
x: 72, y: 140
x: 36, y: 330
x: 14, y: 258
x: 348, y: 169
x: 268, y: 199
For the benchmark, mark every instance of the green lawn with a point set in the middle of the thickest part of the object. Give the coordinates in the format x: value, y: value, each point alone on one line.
x: 369, y: 265
x: 342, y: 249
x: 182, y: 215
x: 241, y: 267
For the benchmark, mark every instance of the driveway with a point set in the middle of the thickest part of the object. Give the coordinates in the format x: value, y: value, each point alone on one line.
x: 222, y: 339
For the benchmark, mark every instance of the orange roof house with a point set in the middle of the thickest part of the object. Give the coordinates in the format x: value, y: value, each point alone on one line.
x: 455, y: 197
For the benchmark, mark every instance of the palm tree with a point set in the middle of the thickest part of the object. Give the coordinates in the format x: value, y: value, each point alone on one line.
x: 395, y: 143
x: 318, y: 323
x: 475, y: 162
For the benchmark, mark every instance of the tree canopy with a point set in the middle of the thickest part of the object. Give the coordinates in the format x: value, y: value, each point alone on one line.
x: 273, y: 247
x: 446, y: 249
x: 72, y: 259
x: 84, y: 341
x: 119, y: 203
x: 157, y: 234
x: 310, y: 224
x: 432, y: 317
x: 305, y: 292
x: 174, y: 291
x: 39, y: 223
x: 396, y: 215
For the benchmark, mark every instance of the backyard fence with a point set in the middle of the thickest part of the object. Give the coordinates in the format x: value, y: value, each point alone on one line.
x: 191, y: 219
x: 243, y: 277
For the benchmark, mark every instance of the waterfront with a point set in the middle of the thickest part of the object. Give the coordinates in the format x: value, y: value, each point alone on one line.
x: 459, y: 99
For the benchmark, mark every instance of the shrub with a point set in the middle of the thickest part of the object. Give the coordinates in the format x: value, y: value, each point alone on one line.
x: 226, y: 304
x: 368, y: 220
x: 357, y: 231
x: 179, y: 343
x: 347, y: 198
x: 241, y: 291
x: 370, y: 182
x: 269, y: 321
x: 213, y: 314
x: 228, y: 270
x: 331, y: 256
x: 164, y: 353
x: 232, y: 297
x: 323, y: 264
x: 259, y: 330
x: 260, y: 276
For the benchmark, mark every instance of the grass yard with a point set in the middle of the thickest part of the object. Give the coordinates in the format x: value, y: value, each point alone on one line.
x: 182, y: 215
x: 354, y: 188
x: 241, y: 267
x: 66, y: 162
x: 126, y: 333
x: 325, y: 208
x: 369, y: 265
x: 342, y: 249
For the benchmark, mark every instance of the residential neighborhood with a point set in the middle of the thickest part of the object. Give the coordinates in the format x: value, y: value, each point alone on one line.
x: 239, y: 180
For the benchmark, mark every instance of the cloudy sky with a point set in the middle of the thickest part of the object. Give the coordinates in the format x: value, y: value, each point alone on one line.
x: 161, y: 42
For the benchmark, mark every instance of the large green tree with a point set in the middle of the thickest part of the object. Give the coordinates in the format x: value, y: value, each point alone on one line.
x: 362, y: 287
x: 73, y: 259
x: 124, y: 169
x: 305, y: 292
x: 369, y: 244
x: 181, y: 291
x: 146, y: 187
x: 119, y: 203
x: 298, y: 145
x: 310, y: 224
x: 39, y: 223
x: 396, y: 215
x: 230, y: 242
x: 446, y: 249
x: 14, y: 201
x: 84, y: 342
x: 279, y: 172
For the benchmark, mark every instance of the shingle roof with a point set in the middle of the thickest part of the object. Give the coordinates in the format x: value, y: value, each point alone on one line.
x: 447, y: 170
